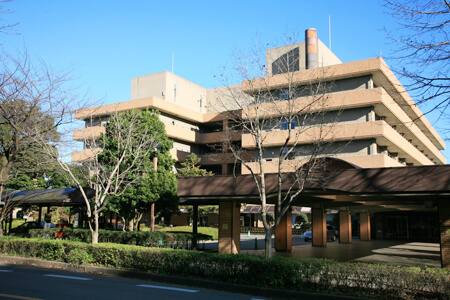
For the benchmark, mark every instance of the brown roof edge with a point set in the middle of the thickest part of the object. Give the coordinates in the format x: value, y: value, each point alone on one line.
x: 416, y: 179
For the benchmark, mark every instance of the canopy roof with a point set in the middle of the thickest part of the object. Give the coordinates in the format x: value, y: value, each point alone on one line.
x: 53, y: 197
x: 402, y: 188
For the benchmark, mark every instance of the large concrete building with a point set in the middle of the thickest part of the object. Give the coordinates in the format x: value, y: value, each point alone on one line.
x: 376, y: 123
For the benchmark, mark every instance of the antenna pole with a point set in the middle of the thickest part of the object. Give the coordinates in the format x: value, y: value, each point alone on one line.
x: 329, y: 31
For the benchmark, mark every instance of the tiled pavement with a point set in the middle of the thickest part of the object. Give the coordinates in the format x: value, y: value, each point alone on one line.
x: 403, y: 253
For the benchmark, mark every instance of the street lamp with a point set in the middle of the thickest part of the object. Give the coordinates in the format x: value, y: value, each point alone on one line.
x: 156, y: 150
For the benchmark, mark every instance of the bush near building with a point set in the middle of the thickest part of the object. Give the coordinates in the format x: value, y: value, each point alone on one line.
x: 161, y: 239
x: 299, y: 274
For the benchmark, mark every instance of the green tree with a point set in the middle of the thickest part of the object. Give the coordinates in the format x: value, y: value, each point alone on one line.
x: 150, y: 187
x: 58, y: 179
x: 301, y: 218
x: 25, y: 182
x: 191, y: 168
x: 114, y: 161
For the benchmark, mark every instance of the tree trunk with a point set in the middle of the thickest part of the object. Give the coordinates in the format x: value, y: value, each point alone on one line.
x: 94, y: 230
x: 131, y: 225
x: 268, y: 243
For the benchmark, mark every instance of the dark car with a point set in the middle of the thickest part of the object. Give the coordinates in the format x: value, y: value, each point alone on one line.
x: 331, y: 234
x: 25, y: 227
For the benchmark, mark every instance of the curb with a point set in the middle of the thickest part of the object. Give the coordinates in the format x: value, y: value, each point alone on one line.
x: 186, y: 281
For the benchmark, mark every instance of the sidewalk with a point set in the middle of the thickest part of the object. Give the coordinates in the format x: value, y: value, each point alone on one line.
x: 403, y: 253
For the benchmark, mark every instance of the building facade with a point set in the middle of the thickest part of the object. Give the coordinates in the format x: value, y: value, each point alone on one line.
x: 375, y: 121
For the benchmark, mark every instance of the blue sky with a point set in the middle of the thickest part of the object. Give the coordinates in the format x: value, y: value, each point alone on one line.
x: 108, y: 42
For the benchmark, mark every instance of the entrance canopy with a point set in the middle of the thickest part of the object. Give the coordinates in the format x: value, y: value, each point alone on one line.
x: 377, y: 189
x: 49, y: 197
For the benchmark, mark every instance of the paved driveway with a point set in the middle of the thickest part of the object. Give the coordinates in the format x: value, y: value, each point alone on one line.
x: 402, y: 253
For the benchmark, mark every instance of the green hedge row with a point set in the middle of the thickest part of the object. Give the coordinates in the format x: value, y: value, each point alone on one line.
x: 311, y: 275
x: 181, y: 240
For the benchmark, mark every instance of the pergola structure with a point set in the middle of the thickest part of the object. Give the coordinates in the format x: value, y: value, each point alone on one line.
x: 363, y: 191
x: 46, y: 198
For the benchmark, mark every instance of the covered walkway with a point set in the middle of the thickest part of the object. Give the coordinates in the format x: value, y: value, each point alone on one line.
x: 362, y: 192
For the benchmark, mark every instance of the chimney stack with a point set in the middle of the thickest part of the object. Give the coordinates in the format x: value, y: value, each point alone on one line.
x: 311, y: 48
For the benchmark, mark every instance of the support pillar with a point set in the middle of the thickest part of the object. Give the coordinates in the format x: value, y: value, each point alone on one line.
x: 40, y: 215
x: 224, y: 169
x: 283, y: 234
x: 319, y: 229
x: 229, y: 228
x: 194, y: 224
x: 10, y: 221
x: 364, y: 225
x: 444, y: 226
x: 345, y: 226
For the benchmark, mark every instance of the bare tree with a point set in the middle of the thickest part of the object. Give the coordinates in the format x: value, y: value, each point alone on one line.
x: 6, y: 28
x: 423, y: 48
x: 285, y: 126
x: 113, y: 160
x: 34, y: 100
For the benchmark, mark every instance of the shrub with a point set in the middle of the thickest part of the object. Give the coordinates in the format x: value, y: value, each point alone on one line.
x: 79, y: 256
x: 310, y: 275
x: 179, y: 240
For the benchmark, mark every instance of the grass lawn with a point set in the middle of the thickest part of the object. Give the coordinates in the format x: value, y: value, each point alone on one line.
x: 214, y: 232
x: 16, y: 223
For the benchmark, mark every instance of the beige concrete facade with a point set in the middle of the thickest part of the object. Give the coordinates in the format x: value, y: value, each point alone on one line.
x: 379, y: 118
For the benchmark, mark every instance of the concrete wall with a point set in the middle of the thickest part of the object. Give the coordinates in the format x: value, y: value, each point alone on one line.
x: 226, y: 98
x: 171, y: 88
x: 273, y: 61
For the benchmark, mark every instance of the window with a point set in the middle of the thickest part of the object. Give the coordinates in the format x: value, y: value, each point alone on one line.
x: 284, y: 125
x: 175, y: 93
x: 289, y: 153
x: 284, y: 95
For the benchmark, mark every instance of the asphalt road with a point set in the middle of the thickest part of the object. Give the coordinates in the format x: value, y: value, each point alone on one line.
x: 29, y: 282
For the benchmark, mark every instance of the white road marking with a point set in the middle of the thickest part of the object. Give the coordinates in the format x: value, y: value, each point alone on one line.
x: 168, y: 288
x: 6, y: 271
x: 68, y: 277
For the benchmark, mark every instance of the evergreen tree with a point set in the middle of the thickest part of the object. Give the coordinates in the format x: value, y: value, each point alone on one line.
x: 150, y: 187
x: 191, y: 167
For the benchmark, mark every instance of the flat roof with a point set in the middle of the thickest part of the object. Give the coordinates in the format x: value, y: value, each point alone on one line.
x: 52, y: 197
x: 416, y: 187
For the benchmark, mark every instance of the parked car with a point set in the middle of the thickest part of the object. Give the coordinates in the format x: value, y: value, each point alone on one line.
x: 25, y: 227
x: 331, y: 234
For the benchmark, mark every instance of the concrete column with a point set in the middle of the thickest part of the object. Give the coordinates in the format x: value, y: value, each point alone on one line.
x: 224, y: 125
x: 225, y: 169
x: 319, y: 229
x: 345, y: 226
x: 283, y: 234
x: 364, y: 225
x: 229, y: 228
x: 444, y: 226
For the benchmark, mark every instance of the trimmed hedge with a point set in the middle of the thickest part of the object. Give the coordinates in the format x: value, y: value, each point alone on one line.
x: 310, y: 275
x: 178, y: 240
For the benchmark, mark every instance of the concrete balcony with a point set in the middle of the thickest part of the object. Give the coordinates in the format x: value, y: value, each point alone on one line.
x: 381, y: 131
x: 382, y: 77
x: 88, y: 133
x: 85, y: 155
